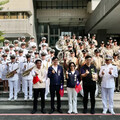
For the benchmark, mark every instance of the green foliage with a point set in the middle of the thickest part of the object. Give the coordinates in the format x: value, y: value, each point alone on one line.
x: 1, y: 37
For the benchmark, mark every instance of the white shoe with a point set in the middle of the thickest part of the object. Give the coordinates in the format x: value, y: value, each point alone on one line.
x: 25, y: 98
x: 112, y: 112
x: 104, y: 111
x: 39, y: 98
x: 30, y: 98
x: 69, y: 112
x: 46, y: 98
x: 75, y: 112
x: 15, y: 98
x: 9, y: 98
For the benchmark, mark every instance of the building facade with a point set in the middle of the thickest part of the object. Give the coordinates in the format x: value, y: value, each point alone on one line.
x: 53, y: 18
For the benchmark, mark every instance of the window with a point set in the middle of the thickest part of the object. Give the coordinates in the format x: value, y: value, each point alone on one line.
x: 14, y: 15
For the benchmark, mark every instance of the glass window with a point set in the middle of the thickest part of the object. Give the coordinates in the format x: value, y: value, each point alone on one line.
x: 56, y: 31
x: 1, y: 15
x: 52, y: 41
x: 45, y: 28
x: 51, y: 31
x: 41, y: 28
x: 13, y: 15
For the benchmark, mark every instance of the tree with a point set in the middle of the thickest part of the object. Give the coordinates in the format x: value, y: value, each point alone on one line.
x: 2, y: 3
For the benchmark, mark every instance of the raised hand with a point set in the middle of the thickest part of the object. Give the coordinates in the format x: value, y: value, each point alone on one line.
x: 53, y: 71
x: 103, y: 72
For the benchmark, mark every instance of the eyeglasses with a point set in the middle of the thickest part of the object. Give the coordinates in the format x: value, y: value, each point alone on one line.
x: 72, y: 66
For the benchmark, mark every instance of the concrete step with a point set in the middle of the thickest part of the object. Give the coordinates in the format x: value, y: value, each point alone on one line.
x: 21, y: 102
x: 21, y: 94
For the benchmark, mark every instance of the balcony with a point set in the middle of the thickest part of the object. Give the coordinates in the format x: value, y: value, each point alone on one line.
x: 16, y: 27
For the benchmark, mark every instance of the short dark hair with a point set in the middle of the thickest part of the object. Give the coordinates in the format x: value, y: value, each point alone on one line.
x: 88, y: 56
x: 71, y: 63
x: 54, y: 58
x: 38, y: 61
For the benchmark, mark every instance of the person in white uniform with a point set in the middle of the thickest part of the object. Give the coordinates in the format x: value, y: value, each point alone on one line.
x: 20, y: 60
x: 6, y: 44
x: 13, y: 66
x: 3, y: 71
x: 31, y: 42
x: 28, y: 79
x: 108, y: 72
x: 23, y: 47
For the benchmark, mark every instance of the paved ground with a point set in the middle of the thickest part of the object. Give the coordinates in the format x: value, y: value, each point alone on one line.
x: 59, y: 117
x: 25, y: 115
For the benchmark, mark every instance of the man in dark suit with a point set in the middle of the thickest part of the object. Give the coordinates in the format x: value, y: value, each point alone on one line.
x: 55, y: 73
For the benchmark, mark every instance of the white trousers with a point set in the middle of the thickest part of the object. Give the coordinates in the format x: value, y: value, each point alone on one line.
x: 107, y: 94
x: 23, y: 85
x: 28, y: 84
x: 72, y: 100
x: 47, y: 86
x: 19, y: 82
x: 13, y: 86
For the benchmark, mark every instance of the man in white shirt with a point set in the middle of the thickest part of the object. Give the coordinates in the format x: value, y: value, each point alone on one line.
x: 108, y: 72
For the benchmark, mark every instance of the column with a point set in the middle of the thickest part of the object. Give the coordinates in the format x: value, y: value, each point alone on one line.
x: 101, y: 35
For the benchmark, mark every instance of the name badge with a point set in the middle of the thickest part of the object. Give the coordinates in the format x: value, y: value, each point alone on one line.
x: 75, y: 78
x: 58, y: 72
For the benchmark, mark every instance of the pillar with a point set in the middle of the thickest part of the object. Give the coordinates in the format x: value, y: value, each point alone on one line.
x: 101, y: 35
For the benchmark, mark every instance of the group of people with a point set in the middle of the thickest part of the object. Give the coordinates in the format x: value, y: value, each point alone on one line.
x: 83, y: 61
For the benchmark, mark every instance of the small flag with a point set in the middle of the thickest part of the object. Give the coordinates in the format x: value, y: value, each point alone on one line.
x: 78, y: 87
x: 35, y: 79
x: 61, y: 92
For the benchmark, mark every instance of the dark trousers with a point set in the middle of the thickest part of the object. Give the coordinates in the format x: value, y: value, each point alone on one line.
x: 91, y: 90
x: 42, y: 95
x: 53, y: 89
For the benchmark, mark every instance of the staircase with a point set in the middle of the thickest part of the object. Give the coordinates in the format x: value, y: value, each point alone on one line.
x: 21, y: 104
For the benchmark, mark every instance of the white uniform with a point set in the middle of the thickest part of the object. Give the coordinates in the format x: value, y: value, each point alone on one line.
x: 20, y: 60
x: 108, y: 85
x: 4, y: 71
x: 0, y: 71
x: 12, y: 52
x: 25, y: 51
x: 28, y: 80
x: 43, y: 51
x: 31, y: 44
x: 13, y: 81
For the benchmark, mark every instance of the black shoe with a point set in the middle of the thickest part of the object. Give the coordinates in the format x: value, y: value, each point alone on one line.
x: 117, y: 90
x: 92, y: 111
x: 85, y: 111
x: 43, y: 111
x: 59, y: 110
x: 33, y: 111
x: 51, y: 111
